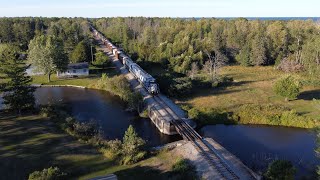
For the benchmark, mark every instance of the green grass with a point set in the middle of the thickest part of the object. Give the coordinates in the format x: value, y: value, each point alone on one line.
x: 253, y: 85
x: 31, y: 142
x: 95, y: 75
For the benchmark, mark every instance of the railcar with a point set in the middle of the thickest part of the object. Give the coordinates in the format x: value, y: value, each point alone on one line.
x: 148, y: 82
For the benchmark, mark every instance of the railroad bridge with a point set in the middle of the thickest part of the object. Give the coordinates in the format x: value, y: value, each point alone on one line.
x: 170, y: 119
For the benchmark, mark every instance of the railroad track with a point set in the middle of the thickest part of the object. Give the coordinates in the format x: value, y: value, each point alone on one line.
x: 188, y: 133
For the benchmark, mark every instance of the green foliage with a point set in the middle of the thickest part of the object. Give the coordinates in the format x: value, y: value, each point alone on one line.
x: 18, y: 95
x: 83, y: 130
x: 280, y: 170
x: 135, y: 101
x: 180, y: 87
x: 46, y: 53
x: 101, y: 60
x: 206, y: 116
x: 80, y: 53
x: 183, y: 169
x: 52, y: 173
x: 116, y: 85
x: 244, y: 56
x: 132, y: 146
x: 272, y: 115
x: 288, y: 87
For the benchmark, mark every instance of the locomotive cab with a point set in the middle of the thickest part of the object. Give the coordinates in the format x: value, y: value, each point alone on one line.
x: 154, y: 88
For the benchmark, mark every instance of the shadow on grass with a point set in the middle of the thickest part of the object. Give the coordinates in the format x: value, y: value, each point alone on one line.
x: 310, y: 95
x: 31, y: 143
x: 143, y: 172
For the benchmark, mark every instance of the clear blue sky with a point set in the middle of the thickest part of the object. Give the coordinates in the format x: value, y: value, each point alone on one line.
x: 161, y: 8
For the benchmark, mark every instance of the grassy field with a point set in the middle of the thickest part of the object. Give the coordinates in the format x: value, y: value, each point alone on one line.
x: 253, y: 85
x: 31, y: 142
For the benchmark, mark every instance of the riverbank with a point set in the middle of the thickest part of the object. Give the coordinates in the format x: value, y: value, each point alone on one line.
x: 250, y: 99
x: 33, y: 138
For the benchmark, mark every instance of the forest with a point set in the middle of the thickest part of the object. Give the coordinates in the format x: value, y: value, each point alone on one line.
x: 184, y: 47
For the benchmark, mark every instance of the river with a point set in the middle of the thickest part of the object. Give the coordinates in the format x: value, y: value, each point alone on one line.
x: 106, y: 110
x: 257, y: 146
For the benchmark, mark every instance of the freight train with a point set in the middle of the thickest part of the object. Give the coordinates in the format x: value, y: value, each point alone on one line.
x: 148, y: 82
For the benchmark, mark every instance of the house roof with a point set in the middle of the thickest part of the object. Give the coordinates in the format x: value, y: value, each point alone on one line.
x: 82, y: 65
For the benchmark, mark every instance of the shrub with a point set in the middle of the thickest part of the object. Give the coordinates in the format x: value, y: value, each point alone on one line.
x: 205, y: 116
x: 135, y: 101
x: 183, y: 169
x: 288, y: 87
x: 85, y: 130
x: 52, y: 173
x: 117, y: 85
x: 280, y: 170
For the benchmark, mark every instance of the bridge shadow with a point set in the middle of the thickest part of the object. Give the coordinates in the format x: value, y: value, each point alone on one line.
x: 310, y: 95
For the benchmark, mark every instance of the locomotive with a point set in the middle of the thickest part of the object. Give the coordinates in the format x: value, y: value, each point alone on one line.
x: 148, y: 82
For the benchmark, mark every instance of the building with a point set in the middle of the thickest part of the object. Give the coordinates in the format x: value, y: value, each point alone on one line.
x: 31, y: 71
x: 74, y: 70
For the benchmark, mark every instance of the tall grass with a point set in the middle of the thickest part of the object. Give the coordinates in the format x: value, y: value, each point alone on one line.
x: 253, y: 114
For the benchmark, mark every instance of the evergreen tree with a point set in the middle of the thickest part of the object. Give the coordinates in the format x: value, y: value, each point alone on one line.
x: 46, y: 53
x: 18, y: 95
x: 244, y: 56
x: 132, y: 143
x: 258, y: 51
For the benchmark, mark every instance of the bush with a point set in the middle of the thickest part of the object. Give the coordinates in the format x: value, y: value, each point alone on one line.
x: 288, y: 87
x: 183, y: 169
x: 52, y: 173
x: 85, y: 131
x: 117, y: 85
x: 207, y: 116
x: 280, y: 170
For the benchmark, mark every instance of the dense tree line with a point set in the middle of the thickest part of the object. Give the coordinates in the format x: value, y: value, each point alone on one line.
x: 73, y: 32
x: 177, y: 43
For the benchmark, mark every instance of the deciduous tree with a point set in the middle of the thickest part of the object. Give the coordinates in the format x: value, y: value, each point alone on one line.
x: 47, y: 54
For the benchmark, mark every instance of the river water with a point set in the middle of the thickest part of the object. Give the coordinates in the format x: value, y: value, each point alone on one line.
x: 257, y: 146
x: 106, y: 110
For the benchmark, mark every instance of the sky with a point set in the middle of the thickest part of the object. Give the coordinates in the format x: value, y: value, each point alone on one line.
x: 160, y: 8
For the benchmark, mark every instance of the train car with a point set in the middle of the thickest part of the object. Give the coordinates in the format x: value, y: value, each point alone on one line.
x: 148, y: 82
x: 128, y: 62
x: 145, y: 79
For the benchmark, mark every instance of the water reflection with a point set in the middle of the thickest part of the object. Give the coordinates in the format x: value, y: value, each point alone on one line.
x: 108, y: 111
x: 257, y: 146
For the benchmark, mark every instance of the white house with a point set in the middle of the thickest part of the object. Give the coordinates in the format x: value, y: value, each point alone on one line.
x: 75, y: 69
x: 32, y: 72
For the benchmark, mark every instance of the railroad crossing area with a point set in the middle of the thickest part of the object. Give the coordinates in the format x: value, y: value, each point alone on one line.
x: 210, y: 158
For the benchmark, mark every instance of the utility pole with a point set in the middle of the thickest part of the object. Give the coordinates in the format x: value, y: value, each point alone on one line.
x: 91, y: 55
